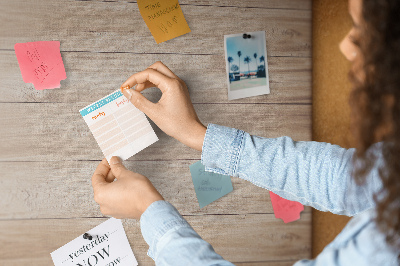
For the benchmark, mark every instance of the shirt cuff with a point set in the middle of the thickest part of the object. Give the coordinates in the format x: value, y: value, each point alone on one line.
x: 222, y: 148
x: 158, y: 219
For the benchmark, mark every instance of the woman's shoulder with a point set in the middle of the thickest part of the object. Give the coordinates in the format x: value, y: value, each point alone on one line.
x: 362, y: 238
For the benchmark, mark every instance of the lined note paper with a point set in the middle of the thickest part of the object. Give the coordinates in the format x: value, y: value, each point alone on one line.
x: 41, y: 64
x: 164, y: 18
x: 209, y: 186
x: 118, y: 126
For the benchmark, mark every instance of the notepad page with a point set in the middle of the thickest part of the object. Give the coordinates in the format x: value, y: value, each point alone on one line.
x: 119, y: 128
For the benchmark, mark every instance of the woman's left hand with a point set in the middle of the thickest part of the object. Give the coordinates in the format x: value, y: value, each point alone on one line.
x: 128, y: 196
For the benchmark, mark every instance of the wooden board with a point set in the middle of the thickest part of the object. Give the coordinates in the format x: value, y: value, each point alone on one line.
x: 48, y: 154
x: 31, y: 241
x: 64, y: 179
x: 57, y: 132
x: 290, y: 78
x: 98, y: 26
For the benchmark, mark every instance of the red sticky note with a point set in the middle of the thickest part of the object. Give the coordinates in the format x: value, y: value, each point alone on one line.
x: 41, y: 64
x: 284, y: 209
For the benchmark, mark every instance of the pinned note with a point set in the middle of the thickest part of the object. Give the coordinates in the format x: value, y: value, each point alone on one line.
x: 41, y: 64
x: 118, y: 126
x: 284, y: 209
x: 164, y: 18
x: 209, y: 186
x: 108, y: 246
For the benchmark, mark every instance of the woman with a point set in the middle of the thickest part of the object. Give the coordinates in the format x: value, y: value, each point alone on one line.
x: 316, y: 174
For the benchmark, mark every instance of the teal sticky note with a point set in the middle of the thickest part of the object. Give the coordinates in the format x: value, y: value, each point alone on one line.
x: 209, y: 186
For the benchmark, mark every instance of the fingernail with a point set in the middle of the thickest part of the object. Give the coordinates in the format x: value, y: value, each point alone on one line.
x: 129, y: 92
x: 115, y: 160
x: 125, y: 88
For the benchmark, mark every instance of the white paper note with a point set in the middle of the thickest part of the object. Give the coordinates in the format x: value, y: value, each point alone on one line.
x: 109, y: 247
x: 118, y: 126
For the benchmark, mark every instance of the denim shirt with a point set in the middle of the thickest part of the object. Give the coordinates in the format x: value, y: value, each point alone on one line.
x: 312, y: 173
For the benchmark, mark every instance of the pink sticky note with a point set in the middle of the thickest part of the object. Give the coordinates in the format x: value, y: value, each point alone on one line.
x: 284, y: 209
x: 41, y: 64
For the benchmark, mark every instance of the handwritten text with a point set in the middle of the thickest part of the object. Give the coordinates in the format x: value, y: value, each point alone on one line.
x: 100, y: 114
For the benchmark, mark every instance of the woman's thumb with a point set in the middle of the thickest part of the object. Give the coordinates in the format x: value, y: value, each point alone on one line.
x: 117, y: 167
x: 138, y: 100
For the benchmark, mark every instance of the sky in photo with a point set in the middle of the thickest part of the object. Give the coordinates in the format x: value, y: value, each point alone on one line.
x: 248, y: 47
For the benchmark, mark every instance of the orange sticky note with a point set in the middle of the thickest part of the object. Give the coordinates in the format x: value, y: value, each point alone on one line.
x: 164, y: 18
x: 41, y: 63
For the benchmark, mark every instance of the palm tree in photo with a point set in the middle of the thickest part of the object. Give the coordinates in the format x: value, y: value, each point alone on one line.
x: 234, y: 68
x: 230, y: 60
x: 239, y: 55
x: 247, y: 60
x: 262, y: 59
x: 255, y: 60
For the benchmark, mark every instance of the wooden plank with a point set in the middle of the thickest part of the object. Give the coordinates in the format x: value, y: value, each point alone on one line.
x: 46, y: 147
x: 238, y: 238
x: 96, y: 26
x: 275, y: 4
x: 57, y: 132
x: 290, y: 78
x: 55, y: 189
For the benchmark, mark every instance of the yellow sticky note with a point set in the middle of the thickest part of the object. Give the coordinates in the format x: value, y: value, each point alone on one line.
x: 164, y: 18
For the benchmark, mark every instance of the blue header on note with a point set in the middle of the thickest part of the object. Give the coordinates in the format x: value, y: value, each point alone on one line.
x: 101, y: 103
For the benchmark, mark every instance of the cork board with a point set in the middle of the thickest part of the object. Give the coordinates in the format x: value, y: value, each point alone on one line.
x: 331, y: 90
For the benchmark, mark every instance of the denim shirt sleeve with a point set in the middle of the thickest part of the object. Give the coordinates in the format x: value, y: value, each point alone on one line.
x: 312, y: 173
x: 172, y: 241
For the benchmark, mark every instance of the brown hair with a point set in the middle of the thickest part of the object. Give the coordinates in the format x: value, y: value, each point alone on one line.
x: 376, y: 107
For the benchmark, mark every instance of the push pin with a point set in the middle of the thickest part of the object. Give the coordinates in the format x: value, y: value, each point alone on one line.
x: 246, y: 36
x: 128, y: 91
x: 125, y: 88
x: 87, y: 236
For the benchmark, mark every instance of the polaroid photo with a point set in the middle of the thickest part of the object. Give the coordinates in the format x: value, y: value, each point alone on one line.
x: 246, y: 64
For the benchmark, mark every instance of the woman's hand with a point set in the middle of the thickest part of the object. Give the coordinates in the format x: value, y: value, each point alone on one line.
x: 173, y: 113
x: 128, y: 196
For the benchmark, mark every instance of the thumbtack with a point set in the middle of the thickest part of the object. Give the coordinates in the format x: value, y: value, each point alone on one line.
x: 125, y: 88
x: 87, y: 236
x: 246, y: 36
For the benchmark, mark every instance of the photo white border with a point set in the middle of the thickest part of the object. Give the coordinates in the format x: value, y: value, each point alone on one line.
x: 248, y: 92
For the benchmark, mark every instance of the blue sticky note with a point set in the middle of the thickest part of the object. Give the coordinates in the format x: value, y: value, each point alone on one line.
x: 209, y: 186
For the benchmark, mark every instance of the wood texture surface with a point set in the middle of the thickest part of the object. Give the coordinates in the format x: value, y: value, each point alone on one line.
x: 98, y: 26
x: 57, y: 132
x: 224, y: 232
x: 48, y: 153
x: 171, y: 178
x: 290, y: 78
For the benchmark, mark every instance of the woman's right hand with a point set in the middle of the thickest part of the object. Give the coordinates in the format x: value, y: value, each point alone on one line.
x: 173, y: 113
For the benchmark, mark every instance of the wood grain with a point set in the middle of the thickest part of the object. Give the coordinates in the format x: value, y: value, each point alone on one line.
x: 57, y: 132
x: 238, y: 238
x: 48, y: 153
x: 55, y: 189
x: 118, y: 27
x: 270, y: 4
x: 290, y: 78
